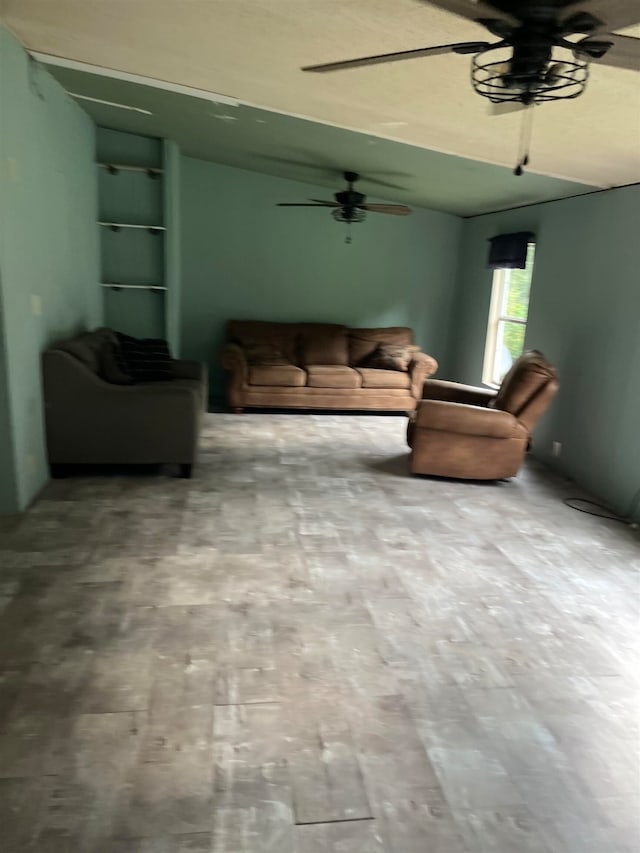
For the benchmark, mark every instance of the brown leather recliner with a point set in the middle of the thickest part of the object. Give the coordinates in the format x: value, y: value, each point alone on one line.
x: 477, y: 434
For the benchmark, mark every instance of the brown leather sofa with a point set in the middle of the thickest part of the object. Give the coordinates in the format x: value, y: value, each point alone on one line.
x: 322, y: 366
x: 93, y: 421
x: 474, y: 433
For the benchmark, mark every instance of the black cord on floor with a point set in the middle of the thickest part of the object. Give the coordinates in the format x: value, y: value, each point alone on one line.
x: 570, y: 503
x: 607, y: 512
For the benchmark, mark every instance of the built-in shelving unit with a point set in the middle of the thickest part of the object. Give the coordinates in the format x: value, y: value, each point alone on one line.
x: 137, y: 192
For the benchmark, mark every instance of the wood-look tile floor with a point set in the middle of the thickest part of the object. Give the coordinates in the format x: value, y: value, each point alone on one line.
x: 305, y: 650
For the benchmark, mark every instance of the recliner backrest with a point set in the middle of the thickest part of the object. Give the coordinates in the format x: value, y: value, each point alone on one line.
x: 527, y: 388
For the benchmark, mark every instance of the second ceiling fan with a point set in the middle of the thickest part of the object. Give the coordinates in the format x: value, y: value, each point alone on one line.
x: 349, y: 205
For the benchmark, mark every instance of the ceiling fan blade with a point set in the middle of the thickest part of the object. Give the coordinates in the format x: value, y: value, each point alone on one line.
x: 623, y: 53
x: 302, y: 204
x: 462, y: 47
x: 325, y: 203
x: 609, y: 14
x: 474, y: 11
x: 393, y: 209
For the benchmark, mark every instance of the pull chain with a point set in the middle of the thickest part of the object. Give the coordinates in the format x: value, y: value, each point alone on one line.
x: 526, y: 131
x: 348, y: 237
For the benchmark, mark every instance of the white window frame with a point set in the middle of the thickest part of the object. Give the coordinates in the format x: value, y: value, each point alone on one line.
x: 501, y: 279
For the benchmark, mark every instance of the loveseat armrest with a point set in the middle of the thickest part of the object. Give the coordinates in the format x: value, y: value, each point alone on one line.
x: 183, y: 369
x: 467, y: 420
x: 455, y: 392
x: 420, y: 368
x: 123, y: 424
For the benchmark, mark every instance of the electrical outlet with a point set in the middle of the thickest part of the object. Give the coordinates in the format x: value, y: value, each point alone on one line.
x: 556, y: 448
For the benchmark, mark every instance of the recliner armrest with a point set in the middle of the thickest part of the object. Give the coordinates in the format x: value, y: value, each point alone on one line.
x: 467, y: 420
x: 455, y: 392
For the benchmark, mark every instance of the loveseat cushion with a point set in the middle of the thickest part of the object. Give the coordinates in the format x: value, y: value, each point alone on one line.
x: 323, y: 343
x: 283, y: 375
x: 364, y: 342
x: 374, y: 378
x: 88, y: 347
x: 332, y: 376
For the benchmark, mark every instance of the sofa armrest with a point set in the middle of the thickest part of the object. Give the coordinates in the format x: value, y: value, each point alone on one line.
x: 467, y: 420
x: 455, y: 392
x: 234, y: 359
x: 420, y: 368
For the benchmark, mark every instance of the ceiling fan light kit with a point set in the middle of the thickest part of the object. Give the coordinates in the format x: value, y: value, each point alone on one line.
x: 560, y: 78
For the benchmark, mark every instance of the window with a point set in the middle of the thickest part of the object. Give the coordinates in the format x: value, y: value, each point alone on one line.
x: 507, y: 319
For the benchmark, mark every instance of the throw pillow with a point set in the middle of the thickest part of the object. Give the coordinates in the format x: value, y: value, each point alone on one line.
x: 264, y: 353
x: 146, y: 359
x: 112, y: 366
x: 392, y: 357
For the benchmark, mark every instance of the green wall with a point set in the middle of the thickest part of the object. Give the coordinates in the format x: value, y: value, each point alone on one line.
x: 245, y: 258
x: 48, y: 253
x: 585, y: 316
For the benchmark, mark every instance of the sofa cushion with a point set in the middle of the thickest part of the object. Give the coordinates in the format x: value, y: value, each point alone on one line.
x: 364, y: 342
x: 332, y: 376
x: 324, y: 344
x: 283, y: 375
x: 374, y: 378
x: 392, y: 357
x: 249, y: 333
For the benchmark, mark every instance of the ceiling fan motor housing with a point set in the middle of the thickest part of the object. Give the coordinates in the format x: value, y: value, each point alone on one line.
x: 349, y: 198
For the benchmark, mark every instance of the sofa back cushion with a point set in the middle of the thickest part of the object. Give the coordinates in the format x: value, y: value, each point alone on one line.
x: 364, y: 342
x: 323, y: 343
x: 255, y: 333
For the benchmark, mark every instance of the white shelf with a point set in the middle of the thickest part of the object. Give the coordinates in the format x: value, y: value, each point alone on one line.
x: 114, y: 284
x: 130, y: 225
x: 124, y: 167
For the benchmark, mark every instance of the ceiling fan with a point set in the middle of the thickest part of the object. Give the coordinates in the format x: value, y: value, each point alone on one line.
x: 350, y: 206
x: 530, y: 30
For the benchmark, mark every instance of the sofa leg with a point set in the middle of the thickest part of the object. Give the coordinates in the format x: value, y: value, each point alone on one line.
x: 185, y: 470
x: 238, y: 410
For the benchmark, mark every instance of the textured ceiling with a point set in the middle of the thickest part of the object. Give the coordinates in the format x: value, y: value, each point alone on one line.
x: 263, y: 141
x: 253, y: 50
